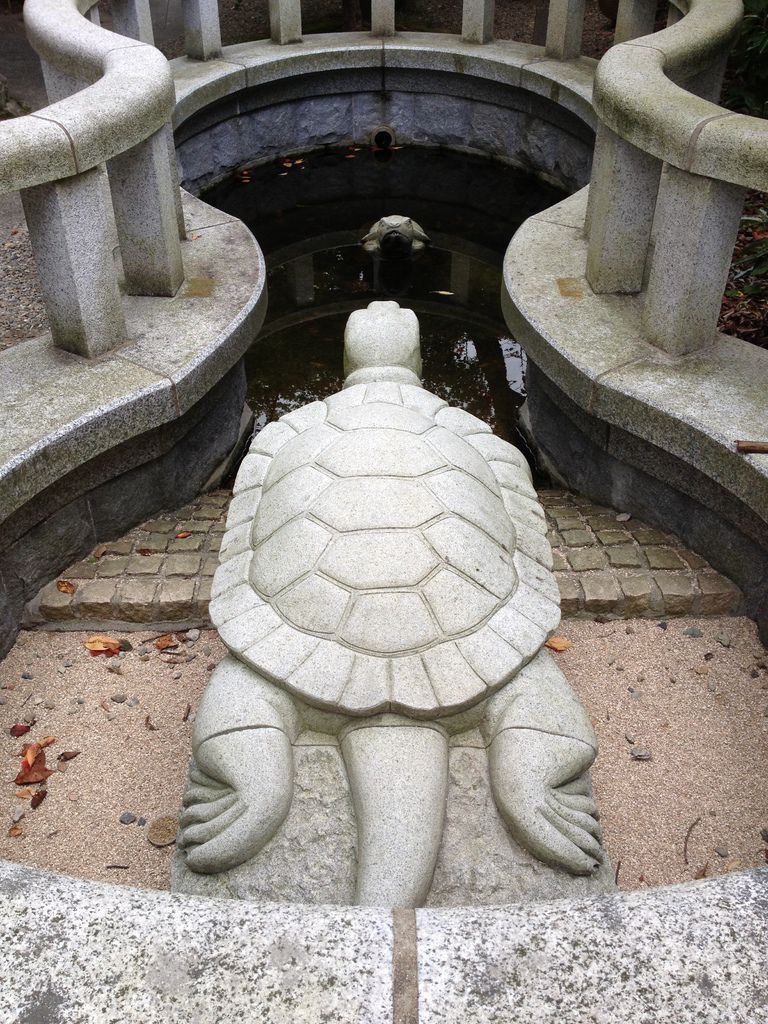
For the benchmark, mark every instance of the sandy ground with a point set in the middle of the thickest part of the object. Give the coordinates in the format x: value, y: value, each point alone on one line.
x: 696, y: 706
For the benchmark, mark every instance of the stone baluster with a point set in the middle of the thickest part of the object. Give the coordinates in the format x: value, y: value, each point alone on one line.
x: 565, y: 25
x: 133, y: 18
x: 382, y: 17
x: 477, y: 21
x: 620, y: 209
x: 144, y: 200
x: 674, y: 14
x: 202, y: 34
x: 73, y: 235
x: 697, y: 220
x: 635, y: 18
x: 285, y: 21
x: 67, y: 228
x: 93, y: 15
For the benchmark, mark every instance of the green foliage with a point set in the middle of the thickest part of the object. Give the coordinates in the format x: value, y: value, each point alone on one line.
x: 747, y: 79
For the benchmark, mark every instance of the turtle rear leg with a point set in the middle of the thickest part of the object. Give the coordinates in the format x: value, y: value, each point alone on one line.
x: 241, y: 781
x: 541, y: 745
x: 398, y: 774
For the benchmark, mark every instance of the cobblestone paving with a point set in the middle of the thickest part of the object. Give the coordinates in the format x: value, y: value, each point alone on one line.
x: 606, y: 564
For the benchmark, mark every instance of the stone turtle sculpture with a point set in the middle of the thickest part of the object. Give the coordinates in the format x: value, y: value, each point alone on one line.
x: 385, y: 578
x: 395, y: 238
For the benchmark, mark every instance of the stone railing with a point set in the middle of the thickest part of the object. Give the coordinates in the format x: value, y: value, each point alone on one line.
x: 671, y: 169
x: 99, y: 157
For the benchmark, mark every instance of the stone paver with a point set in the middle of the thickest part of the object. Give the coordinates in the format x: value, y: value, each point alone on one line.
x: 161, y: 571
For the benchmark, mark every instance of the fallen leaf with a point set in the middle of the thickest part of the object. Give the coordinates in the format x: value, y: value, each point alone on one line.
x: 163, y: 643
x: 148, y: 724
x: 65, y: 586
x: 102, y: 644
x: 193, y: 238
x: 19, y: 730
x: 144, y: 551
x: 100, y: 550
x: 558, y: 643
x: 36, y: 772
x: 29, y: 753
x: 46, y: 741
x: 187, y: 713
x: 15, y: 831
x: 68, y: 755
x: 38, y: 798
x: 183, y: 535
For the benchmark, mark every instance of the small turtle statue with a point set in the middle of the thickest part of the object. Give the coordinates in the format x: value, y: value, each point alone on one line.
x: 395, y: 238
x: 385, y: 578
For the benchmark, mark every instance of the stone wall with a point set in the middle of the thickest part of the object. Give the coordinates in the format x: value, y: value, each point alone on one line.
x: 423, y: 108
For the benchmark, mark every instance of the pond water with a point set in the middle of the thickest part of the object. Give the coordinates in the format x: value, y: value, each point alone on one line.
x: 309, y: 213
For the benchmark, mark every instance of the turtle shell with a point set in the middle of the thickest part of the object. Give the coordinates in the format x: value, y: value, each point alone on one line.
x: 384, y: 552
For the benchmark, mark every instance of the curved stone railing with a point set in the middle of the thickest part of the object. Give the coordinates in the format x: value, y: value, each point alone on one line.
x: 106, y: 132
x: 671, y: 170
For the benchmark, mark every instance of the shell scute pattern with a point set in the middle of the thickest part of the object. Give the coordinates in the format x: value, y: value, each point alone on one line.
x: 384, y: 548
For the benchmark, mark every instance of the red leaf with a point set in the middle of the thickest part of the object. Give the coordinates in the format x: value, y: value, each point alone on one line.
x: 183, y: 534
x: 20, y: 730
x: 38, y: 798
x: 68, y: 755
x: 36, y: 772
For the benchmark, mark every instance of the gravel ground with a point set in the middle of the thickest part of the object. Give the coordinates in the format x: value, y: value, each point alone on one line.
x: 706, y: 732
x: 22, y: 314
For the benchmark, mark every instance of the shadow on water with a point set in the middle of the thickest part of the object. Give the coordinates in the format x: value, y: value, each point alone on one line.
x: 309, y: 214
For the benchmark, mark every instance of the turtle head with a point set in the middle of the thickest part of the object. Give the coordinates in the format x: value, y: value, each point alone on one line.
x: 382, y: 343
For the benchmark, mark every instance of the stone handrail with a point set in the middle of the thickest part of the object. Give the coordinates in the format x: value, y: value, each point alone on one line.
x: 97, y: 167
x: 671, y: 169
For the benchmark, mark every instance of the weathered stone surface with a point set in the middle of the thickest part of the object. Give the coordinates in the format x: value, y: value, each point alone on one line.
x: 600, y: 592
x: 53, y: 604
x: 676, y: 590
x: 313, y: 857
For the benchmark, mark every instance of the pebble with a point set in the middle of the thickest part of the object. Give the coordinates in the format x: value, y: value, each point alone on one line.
x: 27, y: 675
x: 623, y: 517
x: 29, y: 719
x: 80, y: 700
x: 37, y: 701
x: 721, y: 851
x: 191, y: 657
x: 711, y: 686
x: 118, y: 698
x: 662, y: 624
x: 693, y: 631
x: 723, y: 639
x: 67, y: 664
x: 143, y: 657
x: 3, y: 700
x: 49, y: 705
x: 127, y: 818
x: 176, y: 675
x: 754, y: 674
x: 193, y: 634
x: 634, y: 693
x: 134, y: 702
x: 110, y: 718
x: 207, y: 651
x: 141, y: 822
x: 764, y: 834
x: 18, y: 814
x: 210, y: 666
x: 638, y: 754
x: 630, y: 628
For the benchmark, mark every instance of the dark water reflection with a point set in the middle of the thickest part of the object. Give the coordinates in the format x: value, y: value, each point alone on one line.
x: 309, y: 213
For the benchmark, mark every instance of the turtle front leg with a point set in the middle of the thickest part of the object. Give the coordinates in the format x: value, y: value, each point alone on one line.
x: 541, y: 747
x: 241, y: 780
x: 398, y: 774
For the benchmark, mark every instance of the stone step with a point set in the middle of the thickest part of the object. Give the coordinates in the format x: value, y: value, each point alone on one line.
x: 161, y: 571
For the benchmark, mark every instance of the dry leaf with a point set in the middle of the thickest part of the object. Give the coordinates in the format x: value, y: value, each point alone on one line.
x: 148, y: 724
x: 24, y: 794
x: 19, y: 730
x: 558, y: 643
x: 163, y: 643
x: 29, y: 752
x: 36, y: 772
x: 65, y: 586
x: 102, y: 644
x: 143, y: 551
x: 68, y: 755
x: 15, y: 831
x: 183, y: 535
x: 38, y: 798
x: 46, y: 741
